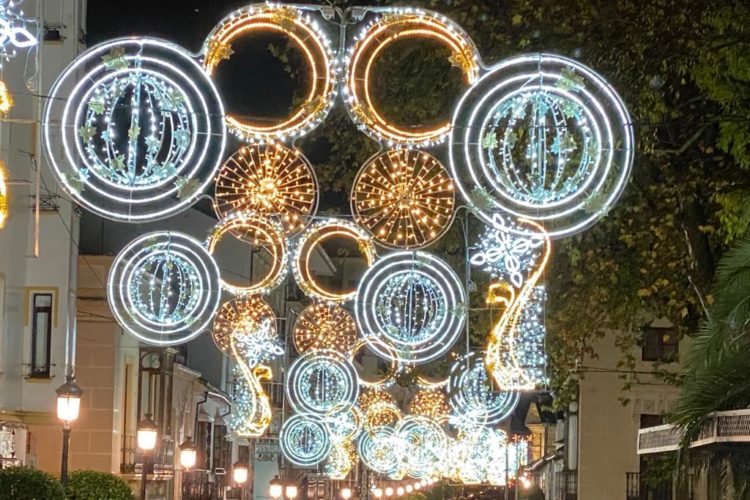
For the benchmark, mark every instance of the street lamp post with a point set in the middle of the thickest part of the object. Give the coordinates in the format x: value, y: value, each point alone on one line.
x: 68, y: 408
x: 277, y: 488
x: 146, y: 437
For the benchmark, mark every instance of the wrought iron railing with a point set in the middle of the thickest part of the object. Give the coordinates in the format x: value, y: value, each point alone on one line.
x: 638, y: 489
x: 722, y: 427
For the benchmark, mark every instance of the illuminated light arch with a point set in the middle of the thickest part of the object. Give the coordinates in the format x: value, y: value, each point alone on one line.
x: 133, y: 130
x: 307, y: 35
x: 473, y: 400
x: 304, y: 440
x: 322, y: 382
x: 403, y: 198
x: 257, y: 231
x: 392, y: 25
x: 315, y: 235
x: 270, y: 180
x: 163, y: 288
x: 325, y: 326
x: 413, y: 302
x: 541, y: 137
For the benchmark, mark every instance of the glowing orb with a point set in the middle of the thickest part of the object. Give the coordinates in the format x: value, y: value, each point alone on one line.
x: 544, y: 138
x: 322, y: 382
x: 431, y: 404
x: 325, y: 326
x: 133, y: 130
x: 403, y: 198
x: 304, y: 440
x: 270, y: 180
x: 163, y: 288
x: 414, y: 302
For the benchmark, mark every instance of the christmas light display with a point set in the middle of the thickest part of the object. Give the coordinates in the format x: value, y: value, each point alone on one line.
x: 304, y: 440
x: 381, y: 414
x: 3, y: 196
x: 13, y: 32
x: 344, y: 424
x: 340, y: 461
x: 163, y: 288
x: 251, y: 410
x: 541, y: 137
x: 6, y: 99
x: 380, y: 450
x: 325, y: 326
x: 391, y: 25
x: 246, y: 328
x: 388, y: 378
x: 316, y: 234
x: 140, y: 126
x: 424, y: 446
x: 269, y: 180
x: 414, y: 302
x: 258, y: 232
x: 473, y: 401
x: 322, y: 381
x: 430, y: 403
x: 403, y: 198
x: 305, y: 34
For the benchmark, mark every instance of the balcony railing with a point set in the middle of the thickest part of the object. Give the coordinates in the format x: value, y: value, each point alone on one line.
x: 722, y: 427
x: 637, y: 489
x: 566, y: 485
x: 160, y: 465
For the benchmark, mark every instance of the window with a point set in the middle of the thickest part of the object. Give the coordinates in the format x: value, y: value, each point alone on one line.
x: 660, y: 344
x: 651, y: 420
x: 41, y: 334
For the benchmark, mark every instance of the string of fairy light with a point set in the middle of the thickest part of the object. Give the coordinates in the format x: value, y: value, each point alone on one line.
x: 538, y: 147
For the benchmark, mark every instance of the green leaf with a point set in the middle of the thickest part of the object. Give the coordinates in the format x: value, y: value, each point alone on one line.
x: 115, y: 59
x: 186, y: 188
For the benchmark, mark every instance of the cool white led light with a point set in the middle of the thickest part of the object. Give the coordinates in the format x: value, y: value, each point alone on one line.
x: 304, y: 440
x: 321, y: 382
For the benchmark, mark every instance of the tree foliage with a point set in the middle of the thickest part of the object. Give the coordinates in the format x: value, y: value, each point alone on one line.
x: 25, y: 483
x: 95, y: 485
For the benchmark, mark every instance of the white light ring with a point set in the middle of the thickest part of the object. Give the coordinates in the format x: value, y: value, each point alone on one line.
x: 389, y: 379
x: 450, y: 328
x: 238, y: 223
x: 379, y: 450
x: 304, y: 430
x: 307, y: 243
x: 300, y: 373
x: 110, y: 203
x: 322, y: 59
x: 153, y: 332
x: 404, y: 22
x: 425, y: 445
x: 600, y: 100
x: 489, y: 412
x: 344, y: 424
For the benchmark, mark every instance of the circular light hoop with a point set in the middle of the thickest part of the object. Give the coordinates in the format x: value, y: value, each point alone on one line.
x: 325, y: 326
x: 403, y: 198
x: 245, y: 314
x: 307, y: 35
x: 133, y: 130
x: 163, y: 288
x: 414, y: 302
x: 380, y: 450
x: 574, y: 156
x: 386, y: 29
x: 344, y: 424
x: 379, y: 414
x: 389, y: 378
x: 322, y: 382
x: 270, y: 180
x: 424, y: 445
x: 310, y: 239
x: 431, y: 404
x: 472, y: 398
x: 259, y: 231
x: 304, y: 440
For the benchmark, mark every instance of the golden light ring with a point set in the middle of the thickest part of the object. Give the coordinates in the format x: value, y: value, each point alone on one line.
x: 307, y: 244
x: 386, y: 380
x: 271, y: 180
x: 403, y: 198
x: 308, y: 37
x: 246, y: 312
x: 385, y: 30
x: 257, y: 231
x: 325, y: 326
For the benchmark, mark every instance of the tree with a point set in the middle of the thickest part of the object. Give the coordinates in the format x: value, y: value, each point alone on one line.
x: 25, y: 483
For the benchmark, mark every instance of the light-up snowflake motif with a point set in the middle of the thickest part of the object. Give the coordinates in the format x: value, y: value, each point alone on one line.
x: 136, y: 128
x: 304, y: 440
x: 257, y: 345
x: 13, y: 32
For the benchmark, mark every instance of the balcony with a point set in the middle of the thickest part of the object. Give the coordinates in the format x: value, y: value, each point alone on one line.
x: 722, y: 427
x: 637, y: 489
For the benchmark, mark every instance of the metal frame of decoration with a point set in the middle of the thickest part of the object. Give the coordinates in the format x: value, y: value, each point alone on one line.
x: 270, y: 180
x: 186, y: 298
x: 404, y: 198
x: 301, y: 29
x: 174, y: 135
x: 391, y: 24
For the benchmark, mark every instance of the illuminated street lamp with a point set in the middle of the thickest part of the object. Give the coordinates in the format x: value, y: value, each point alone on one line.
x: 291, y: 491
x: 146, y: 437
x: 346, y: 493
x: 276, y: 489
x: 400, y: 491
x: 188, y: 454
x: 389, y: 492
x: 377, y: 492
x: 240, y: 473
x: 68, y: 408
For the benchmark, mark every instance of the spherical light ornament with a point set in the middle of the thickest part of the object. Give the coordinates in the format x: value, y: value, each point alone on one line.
x: 425, y: 445
x: 258, y: 232
x: 472, y: 397
x: 403, y: 198
x: 305, y: 34
x: 325, y: 326
x: 379, y: 450
x: 541, y: 137
x: 431, y: 404
x: 321, y: 383
x: 304, y: 440
x: 413, y: 301
x: 387, y: 28
x: 163, y: 288
x: 306, y: 246
x: 344, y: 424
x: 270, y: 180
x: 381, y: 414
x: 133, y: 130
